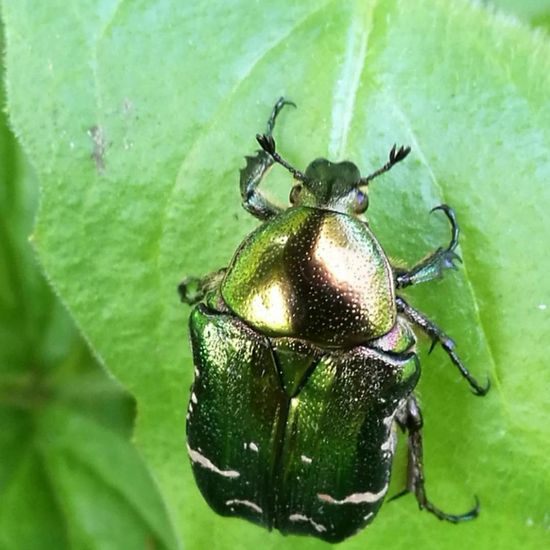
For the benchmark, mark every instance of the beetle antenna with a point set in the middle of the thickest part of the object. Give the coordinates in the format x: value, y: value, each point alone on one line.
x: 396, y: 155
x: 267, y: 143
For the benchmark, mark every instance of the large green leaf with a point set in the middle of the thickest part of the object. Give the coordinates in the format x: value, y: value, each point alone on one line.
x: 137, y: 116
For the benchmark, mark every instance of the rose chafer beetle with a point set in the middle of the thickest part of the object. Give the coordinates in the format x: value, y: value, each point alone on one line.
x: 305, y: 358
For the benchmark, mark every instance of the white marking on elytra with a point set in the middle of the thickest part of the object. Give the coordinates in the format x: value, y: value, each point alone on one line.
x: 356, y: 498
x: 388, y: 421
x: 306, y: 459
x: 253, y: 447
x: 197, y: 373
x: 300, y: 517
x: 200, y: 459
x: 194, y: 398
x: 247, y: 503
x: 190, y: 408
x: 365, y: 518
x: 389, y: 445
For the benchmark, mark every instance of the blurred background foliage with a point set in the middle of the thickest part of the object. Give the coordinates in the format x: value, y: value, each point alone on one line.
x: 533, y: 12
x: 69, y: 476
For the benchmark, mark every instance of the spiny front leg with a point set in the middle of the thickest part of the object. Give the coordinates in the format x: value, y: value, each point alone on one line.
x: 437, y: 335
x: 256, y: 168
x: 435, y: 264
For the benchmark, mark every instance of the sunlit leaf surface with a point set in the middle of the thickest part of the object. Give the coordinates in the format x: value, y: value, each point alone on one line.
x: 137, y: 116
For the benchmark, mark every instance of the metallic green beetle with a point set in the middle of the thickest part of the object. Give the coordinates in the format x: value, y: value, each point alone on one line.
x: 305, y: 358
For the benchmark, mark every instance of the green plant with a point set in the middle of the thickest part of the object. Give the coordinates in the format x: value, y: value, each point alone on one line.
x: 136, y: 117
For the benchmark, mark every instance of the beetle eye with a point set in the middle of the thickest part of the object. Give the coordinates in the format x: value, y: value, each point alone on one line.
x: 361, y: 202
x: 295, y: 194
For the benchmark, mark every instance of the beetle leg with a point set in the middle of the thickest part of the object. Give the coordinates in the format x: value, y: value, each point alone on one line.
x: 255, y: 170
x: 433, y: 266
x: 277, y: 108
x: 410, y: 419
x: 193, y: 289
x: 447, y: 343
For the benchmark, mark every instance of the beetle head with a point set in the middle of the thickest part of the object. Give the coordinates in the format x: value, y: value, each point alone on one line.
x: 333, y: 186
x: 330, y: 185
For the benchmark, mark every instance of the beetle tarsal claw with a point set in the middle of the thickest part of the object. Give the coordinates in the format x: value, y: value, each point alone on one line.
x: 480, y: 391
x: 448, y: 259
x: 282, y: 102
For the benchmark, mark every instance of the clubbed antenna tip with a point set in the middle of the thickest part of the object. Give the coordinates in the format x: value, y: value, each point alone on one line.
x: 267, y: 143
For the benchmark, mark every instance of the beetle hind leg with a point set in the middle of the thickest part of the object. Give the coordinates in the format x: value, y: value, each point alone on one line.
x: 410, y: 419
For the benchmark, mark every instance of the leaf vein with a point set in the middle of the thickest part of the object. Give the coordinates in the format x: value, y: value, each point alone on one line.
x: 347, y: 86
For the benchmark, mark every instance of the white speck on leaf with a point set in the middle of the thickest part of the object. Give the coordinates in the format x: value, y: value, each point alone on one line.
x: 98, y: 137
x: 127, y: 106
